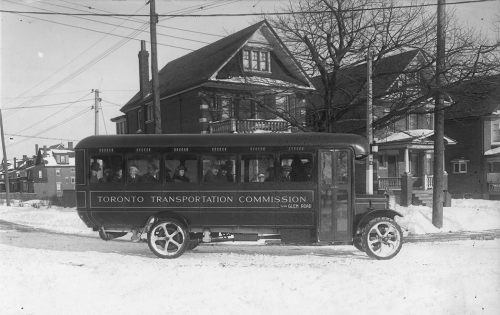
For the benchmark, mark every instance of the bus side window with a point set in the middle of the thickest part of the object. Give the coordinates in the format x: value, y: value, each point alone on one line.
x: 105, y: 168
x: 300, y: 166
x: 181, y: 168
x: 219, y: 168
x: 257, y: 168
x: 142, y: 168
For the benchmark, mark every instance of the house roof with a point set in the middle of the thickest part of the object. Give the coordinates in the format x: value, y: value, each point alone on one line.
x: 351, y: 80
x: 415, y: 136
x: 50, y: 160
x: 200, y: 66
x: 476, y: 98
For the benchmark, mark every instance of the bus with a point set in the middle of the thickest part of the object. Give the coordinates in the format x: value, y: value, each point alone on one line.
x: 181, y: 190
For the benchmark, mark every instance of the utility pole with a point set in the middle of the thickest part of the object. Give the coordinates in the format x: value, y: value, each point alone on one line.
x: 154, y: 67
x: 97, y: 107
x: 369, y: 123
x: 5, y: 166
x: 438, y: 178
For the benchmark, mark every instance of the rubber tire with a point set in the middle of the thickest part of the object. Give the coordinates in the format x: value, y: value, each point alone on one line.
x: 358, y: 243
x: 182, y: 238
x: 370, y: 231
x: 192, y: 246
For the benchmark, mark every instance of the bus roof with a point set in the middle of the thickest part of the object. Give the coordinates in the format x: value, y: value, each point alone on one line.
x: 360, y: 144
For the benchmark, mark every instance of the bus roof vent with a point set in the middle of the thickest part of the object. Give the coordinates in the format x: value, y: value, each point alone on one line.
x: 258, y: 149
x: 219, y: 149
x: 296, y: 148
x: 106, y: 150
x: 181, y: 149
x: 143, y: 150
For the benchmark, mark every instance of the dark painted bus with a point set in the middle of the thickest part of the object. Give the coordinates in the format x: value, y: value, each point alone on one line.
x: 186, y: 189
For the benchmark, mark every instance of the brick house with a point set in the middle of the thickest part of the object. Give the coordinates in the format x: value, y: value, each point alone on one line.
x: 473, y: 165
x: 218, y: 88
x: 405, y: 142
x: 54, y: 171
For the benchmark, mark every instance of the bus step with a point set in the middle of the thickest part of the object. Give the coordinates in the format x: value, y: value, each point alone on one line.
x: 246, y: 237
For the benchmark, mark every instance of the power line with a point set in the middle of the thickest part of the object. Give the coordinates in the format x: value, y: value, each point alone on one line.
x: 245, y: 14
x: 50, y: 128
x: 140, y: 21
x: 101, y: 22
x: 51, y: 115
x: 23, y: 136
x: 57, y: 85
x: 3, y: 98
x: 47, y: 105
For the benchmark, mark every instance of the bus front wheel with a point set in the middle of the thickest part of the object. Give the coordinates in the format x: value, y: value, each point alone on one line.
x: 168, y: 239
x: 382, y: 238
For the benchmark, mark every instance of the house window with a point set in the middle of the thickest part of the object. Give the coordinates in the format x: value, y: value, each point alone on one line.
x: 66, y: 180
x: 58, y: 172
x: 459, y: 165
x: 256, y: 60
x: 120, y: 128
x: 40, y: 174
x: 150, y: 112
x: 64, y: 159
x: 72, y: 179
x: 222, y: 108
x: 58, y: 186
x: 72, y: 170
x: 495, y: 131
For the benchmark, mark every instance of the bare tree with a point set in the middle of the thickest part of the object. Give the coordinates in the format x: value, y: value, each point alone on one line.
x: 332, y: 37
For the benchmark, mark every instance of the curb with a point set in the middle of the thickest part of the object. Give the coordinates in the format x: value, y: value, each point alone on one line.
x: 452, y: 236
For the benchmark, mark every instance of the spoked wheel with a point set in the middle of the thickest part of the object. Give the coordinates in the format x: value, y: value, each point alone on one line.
x: 168, y: 239
x: 382, y: 238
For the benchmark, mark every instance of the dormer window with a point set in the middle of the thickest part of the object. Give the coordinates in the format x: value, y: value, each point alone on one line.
x: 256, y: 60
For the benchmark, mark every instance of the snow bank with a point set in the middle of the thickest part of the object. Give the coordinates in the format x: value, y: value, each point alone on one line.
x: 463, y: 215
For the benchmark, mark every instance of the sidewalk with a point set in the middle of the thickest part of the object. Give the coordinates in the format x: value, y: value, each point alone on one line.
x: 452, y: 236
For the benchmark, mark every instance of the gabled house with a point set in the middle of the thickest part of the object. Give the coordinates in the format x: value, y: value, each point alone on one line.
x: 54, y: 171
x: 227, y: 86
x: 405, y: 139
x: 473, y: 165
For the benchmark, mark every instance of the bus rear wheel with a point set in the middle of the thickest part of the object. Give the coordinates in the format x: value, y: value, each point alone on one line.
x: 382, y: 238
x: 168, y: 239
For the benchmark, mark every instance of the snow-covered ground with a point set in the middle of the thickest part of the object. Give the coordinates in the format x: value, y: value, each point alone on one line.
x: 463, y: 215
x: 44, y: 273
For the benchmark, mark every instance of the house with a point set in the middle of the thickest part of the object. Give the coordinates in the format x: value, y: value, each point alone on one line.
x: 473, y: 165
x: 403, y: 119
x: 54, y: 171
x: 227, y: 86
x: 18, y: 175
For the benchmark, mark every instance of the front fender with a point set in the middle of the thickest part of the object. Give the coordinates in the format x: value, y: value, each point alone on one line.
x: 363, y: 218
x: 164, y: 215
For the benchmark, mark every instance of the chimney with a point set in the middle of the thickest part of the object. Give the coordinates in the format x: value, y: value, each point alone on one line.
x: 36, y: 149
x: 25, y: 157
x: 44, y: 150
x: 15, y: 163
x: 70, y: 145
x: 145, y: 87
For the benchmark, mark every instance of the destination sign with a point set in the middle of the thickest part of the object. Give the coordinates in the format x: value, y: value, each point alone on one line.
x: 205, y: 199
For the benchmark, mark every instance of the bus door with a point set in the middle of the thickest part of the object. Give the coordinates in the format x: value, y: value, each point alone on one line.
x: 335, y: 173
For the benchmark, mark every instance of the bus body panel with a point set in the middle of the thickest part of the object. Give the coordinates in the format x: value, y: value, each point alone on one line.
x: 290, y: 207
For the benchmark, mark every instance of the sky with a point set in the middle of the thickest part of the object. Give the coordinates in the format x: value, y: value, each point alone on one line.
x: 51, y: 64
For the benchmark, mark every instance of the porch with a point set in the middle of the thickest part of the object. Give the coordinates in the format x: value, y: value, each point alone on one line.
x: 234, y: 125
x: 394, y: 183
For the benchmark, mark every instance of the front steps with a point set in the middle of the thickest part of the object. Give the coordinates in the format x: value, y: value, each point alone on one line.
x: 422, y: 197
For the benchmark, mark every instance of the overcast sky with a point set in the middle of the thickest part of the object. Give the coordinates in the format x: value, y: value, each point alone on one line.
x: 51, y: 63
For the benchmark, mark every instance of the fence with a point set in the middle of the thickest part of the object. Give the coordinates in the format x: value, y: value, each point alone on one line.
x: 19, y: 196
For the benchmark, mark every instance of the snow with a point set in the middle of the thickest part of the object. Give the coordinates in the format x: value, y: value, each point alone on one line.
x: 60, y: 273
x: 463, y: 215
